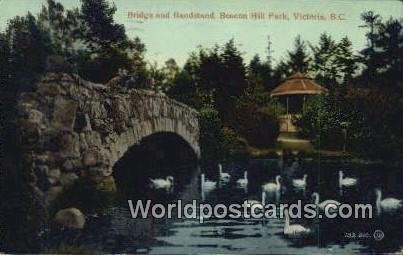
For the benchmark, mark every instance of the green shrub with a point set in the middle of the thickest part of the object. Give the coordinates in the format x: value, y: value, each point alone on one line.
x: 216, y: 141
x: 259, y: 125
x: 368, y: 116
x: 234, y: 146
x: 210, y: 133
x: 90, y: 195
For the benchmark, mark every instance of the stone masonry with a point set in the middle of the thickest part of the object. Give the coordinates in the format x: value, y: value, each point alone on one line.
x: 74, y: 128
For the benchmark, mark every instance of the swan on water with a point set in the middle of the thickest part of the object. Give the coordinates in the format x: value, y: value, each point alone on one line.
x: 387, y: 204
x: 348, y: 181
x: 160, y: 183
x: 293, y: 230
x: 223, y: 176
x: 243, y: 182
x: 322, y: 205
x: 207, y: 185
x: 272, y: 186
x: 251, y: 202
x: 300, y: 183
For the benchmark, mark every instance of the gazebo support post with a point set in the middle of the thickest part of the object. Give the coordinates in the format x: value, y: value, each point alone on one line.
x: 296, y: 85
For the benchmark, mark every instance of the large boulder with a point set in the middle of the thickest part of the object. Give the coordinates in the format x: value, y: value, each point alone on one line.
x: 70, y: 218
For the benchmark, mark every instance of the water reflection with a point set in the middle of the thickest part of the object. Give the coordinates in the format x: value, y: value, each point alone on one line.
x: 331, y: 235
x: 166, y: 236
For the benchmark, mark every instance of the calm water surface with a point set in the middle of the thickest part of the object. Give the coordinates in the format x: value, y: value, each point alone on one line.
x: 115, y: 231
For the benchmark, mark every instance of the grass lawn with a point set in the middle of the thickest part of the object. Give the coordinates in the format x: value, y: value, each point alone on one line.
x: 290, y: 141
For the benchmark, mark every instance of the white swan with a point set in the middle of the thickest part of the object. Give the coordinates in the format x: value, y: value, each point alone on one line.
x: 207, y: 185
x: 300, y: 183
x: 160, y: 183
x: 271, y: 186
x: 294, y: 230
x: 322, y: 205
x: 223, y: 176
x: 251, y: 202
x: 348, y: 181
x: 243, y: 182
x: 387, y: 204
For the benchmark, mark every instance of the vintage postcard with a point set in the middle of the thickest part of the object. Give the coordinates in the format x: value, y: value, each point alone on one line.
x: 201, y: 127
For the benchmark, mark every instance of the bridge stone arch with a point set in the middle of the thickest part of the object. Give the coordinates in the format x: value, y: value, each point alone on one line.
x: 73, y: 128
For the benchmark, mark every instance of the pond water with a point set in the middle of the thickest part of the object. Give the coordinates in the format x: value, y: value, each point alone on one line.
x: 116, y: 232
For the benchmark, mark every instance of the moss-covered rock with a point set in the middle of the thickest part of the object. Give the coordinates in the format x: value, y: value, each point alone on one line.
x: 89, y: 195
x: 70, y: 218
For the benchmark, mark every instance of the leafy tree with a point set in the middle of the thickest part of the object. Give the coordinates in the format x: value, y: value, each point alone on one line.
x: 170, y: 72
x: 321, y: 122
x: 256, y: 114
x: 56, y: 40
x: 211, y: 133
x: 62, y: 26
x: 137, y: 66
x: 369, y: 117
x: 186, y: 85
x: 370, y: 113
x: 155, y: 78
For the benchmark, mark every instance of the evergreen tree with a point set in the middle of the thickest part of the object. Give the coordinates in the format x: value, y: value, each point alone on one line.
x: 383, y: 56
x: 100, y: 30
x: 186, y: 85
x: 280, y: 72
x: 261, y: 72
x: 109, y: 46
x: 371, y: 21
x: 63, y: 27
x: 232, y: 81
x: 346, y: 61
x: 299, y: 59
x: 324, y: 61
x: 389, y: 54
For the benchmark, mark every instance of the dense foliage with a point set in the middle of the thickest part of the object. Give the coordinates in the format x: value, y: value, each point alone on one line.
x: 362, y: 110
x: 235, y: 107
x: 364, y: 106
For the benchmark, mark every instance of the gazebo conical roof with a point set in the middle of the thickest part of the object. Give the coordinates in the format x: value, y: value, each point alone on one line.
x: 298, y: 84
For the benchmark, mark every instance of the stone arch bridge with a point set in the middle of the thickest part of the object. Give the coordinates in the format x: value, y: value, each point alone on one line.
x: 73, y: 128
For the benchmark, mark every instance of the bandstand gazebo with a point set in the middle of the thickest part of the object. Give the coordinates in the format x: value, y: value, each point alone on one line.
x: 292, y: 94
